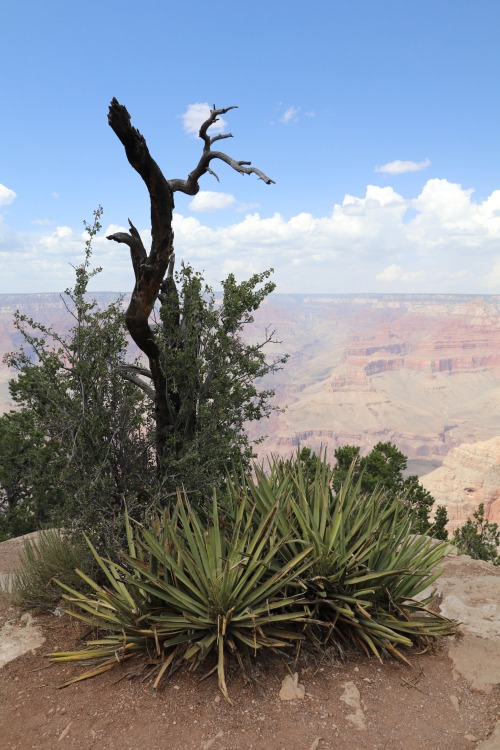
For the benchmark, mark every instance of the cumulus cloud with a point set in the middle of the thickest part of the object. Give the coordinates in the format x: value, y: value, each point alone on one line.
x: 441, y: 240
x: 196, y: 114
x: 290, y: 115
x: 208, y: 200
x: 397, y: 273
x: 400, y: 167
x: 6, y: 195
x: 57, y: 239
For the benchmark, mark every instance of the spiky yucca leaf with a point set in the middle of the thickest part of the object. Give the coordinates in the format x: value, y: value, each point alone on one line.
x: 368, y: 565
x: 191, y: 591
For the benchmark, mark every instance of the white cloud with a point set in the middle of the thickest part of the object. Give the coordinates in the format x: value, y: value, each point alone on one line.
x: 375, y: 198
x: 290, y: 115
x: 397, y: 273
x: 400, y: 167
x: 42, y: 222
x: 239, y: 268
x: 196, y: 114
x: 492, y: 279
x: 208, y: 200
x: 441, y: 240
x: 59, y: 237
x: 6, y: 195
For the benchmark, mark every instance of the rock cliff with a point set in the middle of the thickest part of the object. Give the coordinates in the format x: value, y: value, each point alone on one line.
x: 470, y: 475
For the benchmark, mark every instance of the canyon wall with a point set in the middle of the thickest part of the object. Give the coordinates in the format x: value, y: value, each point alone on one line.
x: 422, y: 371
x: 469, y: 476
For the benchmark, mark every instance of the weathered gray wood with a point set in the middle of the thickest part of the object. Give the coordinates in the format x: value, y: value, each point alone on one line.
x: 152, y: 275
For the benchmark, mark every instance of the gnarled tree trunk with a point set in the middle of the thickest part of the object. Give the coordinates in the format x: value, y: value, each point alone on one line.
x: 152, y: 275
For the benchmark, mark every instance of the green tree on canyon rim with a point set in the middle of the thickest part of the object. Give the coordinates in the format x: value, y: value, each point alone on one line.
x: 383, y: 467
x: 201, y: 375
x: 181, y: 418
x: 75, y: 447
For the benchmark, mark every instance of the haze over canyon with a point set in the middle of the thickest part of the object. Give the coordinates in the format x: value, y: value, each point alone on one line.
x: 421, y: 371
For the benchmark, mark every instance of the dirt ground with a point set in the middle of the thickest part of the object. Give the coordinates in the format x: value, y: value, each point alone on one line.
x: 353, y: 705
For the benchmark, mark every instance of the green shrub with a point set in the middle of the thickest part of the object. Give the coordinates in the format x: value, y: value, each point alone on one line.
x: 281, y: 559
x: 51, y: 555
x: 384, y: 468
x: 438, y: 529
x: 368, y: 565
x: 479, y: 538
x: 188, y: 592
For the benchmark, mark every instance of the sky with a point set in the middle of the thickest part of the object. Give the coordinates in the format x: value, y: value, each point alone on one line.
x: 379, y: 121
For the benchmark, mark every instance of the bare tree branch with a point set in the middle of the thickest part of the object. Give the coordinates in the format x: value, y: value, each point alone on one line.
x: 154, y: 270
x: 133, y: 240
x: 191, y: 186
x: 132, y: 378
x: 149, y: 269
x: 220, y: 136
x: 135, y: 368
x: 211, y: 120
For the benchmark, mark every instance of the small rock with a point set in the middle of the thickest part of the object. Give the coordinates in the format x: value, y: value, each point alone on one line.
x: 478, y: 660
x: 471, y: 738
x: 210, y: 743
x: 352, y: 697
x: 292, y: 689
x: 65, y: 731
x: 315, y: 744
x: 455, y: 702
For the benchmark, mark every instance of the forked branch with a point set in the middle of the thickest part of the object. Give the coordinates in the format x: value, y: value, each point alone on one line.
x: 151, y: 269
x: 191, y: 186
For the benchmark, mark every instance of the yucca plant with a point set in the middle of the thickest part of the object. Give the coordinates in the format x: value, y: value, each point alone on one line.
x: 184, y: 592
x: 367, y: 565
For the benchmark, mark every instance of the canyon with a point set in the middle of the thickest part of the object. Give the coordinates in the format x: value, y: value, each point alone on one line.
x: 421, y: 371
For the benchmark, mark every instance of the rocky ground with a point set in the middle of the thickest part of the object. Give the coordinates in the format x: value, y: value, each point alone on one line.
x: 449, y: 700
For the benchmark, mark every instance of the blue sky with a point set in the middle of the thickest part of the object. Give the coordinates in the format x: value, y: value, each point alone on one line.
x: 379, y: 122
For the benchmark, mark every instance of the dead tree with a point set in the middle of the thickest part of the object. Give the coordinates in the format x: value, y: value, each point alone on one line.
x: 152, y: 276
